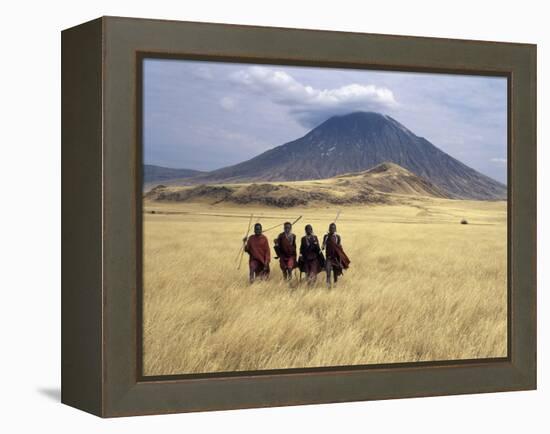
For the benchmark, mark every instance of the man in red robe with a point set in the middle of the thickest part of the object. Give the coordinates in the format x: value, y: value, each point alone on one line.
x: 257, y: 248
x: 285, y: 247
x: 336, y: 260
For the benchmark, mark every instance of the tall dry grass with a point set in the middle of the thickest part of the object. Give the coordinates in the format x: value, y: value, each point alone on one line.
x: 421, y: 287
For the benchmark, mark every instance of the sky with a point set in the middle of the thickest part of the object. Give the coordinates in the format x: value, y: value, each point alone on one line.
x: 205, y: 115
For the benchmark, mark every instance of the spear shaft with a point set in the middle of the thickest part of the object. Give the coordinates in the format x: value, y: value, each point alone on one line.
x: 241, y: 250
x: 279, y: 224
x: 335, y: 220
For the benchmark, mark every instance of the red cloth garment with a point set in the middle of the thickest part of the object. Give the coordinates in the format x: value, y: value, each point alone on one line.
x: 287, y: 263
x: 287, y: 245
x: 259, y: 269
x: 335, y: 253
x: 286, y: 249
x: 257, y: 247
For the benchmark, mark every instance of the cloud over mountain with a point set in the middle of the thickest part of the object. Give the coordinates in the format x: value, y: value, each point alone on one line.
x: 309, y: 105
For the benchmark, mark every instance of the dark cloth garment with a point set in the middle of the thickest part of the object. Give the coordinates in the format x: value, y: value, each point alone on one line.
x: 309, y: 247
x: 336, y: 257
x: 285, y: 247
x: 312, y: 268
x: 312, y: 258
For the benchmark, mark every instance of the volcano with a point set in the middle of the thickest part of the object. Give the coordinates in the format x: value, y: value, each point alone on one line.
x: 357, y: 142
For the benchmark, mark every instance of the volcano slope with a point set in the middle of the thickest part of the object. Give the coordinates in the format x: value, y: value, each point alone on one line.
x: 385, y: 183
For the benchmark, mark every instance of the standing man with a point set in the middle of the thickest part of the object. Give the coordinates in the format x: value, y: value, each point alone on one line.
x: 311, y: 259
x: 285, y: 247
x: 257, y: 248
x: 337, y: 260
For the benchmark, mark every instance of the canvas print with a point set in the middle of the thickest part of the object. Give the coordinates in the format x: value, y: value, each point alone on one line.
x: 313, y: 217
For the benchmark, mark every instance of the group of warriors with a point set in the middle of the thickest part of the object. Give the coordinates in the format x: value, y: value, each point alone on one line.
x: 310, y: 261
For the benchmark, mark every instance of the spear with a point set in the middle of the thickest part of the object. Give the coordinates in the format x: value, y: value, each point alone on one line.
x: 337, y: 215
x: 241, y: 250
x: 335, y: 220
x: 296, y: 221
x: 279, y: 224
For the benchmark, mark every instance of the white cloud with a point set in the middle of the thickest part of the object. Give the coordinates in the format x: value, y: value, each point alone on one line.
x: 498, y: 160
x: 228, y: 103
x: 309, y: 105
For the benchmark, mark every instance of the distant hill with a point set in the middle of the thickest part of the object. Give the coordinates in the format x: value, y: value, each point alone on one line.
x: 385, y: 183
x: 153, y: 173
x: 356, y: 142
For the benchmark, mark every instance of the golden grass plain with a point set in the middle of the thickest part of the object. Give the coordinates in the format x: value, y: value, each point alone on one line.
x: 421, y: 287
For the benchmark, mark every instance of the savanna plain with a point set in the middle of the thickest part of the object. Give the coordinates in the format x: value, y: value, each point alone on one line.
x: 421, y: 287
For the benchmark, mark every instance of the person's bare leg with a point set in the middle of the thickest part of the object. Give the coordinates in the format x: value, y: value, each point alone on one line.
x: 251, y: 273
x: 329, y: 270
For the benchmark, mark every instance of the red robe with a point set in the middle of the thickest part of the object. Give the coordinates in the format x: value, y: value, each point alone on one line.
x: 335, y: 254
x: 286, y: 250
x: 257, y: 248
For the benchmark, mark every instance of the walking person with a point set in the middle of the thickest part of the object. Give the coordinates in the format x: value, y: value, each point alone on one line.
x: 257, y: 248
x: 336, y: 258
x: 311, y: 259
x: 285, y: 247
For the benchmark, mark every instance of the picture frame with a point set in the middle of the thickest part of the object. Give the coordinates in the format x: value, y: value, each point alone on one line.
x: 101, y: 224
